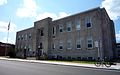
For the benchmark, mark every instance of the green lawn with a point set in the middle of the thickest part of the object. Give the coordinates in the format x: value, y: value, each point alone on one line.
x: 82, y: 62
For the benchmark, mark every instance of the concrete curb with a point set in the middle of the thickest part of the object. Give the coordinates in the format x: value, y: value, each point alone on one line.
x: 65, y: 64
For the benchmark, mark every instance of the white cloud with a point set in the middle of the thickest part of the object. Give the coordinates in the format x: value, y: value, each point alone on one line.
x: 52, y: 15
x: 27, y: 9
x: 4, y: 26
x: 113, y: 8
x: 2, y: 2
x: 10, y: 40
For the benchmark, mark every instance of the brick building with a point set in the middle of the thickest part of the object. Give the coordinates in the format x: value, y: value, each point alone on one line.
x: 86, y: 35
x: 118, y: 50
x: 3, y: 48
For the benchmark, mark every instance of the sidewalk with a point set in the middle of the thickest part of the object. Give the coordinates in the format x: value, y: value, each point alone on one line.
x: 113, y: 67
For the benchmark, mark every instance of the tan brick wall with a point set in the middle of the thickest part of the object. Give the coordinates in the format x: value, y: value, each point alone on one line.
x: 100, y: 31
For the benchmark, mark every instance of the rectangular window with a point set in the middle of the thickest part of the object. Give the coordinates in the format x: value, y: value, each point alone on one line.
x: 89, y: 43
x: 53, y: 46
x: 88, y: 22
x: 78, y: 44
x: 18, y: 37
x: 29, y: 48
x: 54, y: 30
x: 29, y: 36
x: 77, y: 23
x: 69, y: 27
x: 60, y: 45
x: 69, y: 44
x: 41, y: 33
x: 26, y: 37
x: 22, y: 37
x: 61, y: 28
x: 41, y: 46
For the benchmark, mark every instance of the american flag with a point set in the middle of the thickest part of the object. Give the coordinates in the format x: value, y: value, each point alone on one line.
x: 9, y: 26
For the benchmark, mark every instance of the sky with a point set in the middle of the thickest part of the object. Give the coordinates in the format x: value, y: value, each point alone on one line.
x: 23, y: 13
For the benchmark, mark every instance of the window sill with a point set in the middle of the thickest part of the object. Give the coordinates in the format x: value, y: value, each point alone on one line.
x: 90, y: 48
x: 79, y: 48
x: 69, y: 48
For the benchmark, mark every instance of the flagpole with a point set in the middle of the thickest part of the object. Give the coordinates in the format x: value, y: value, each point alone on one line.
x: 7, y: 39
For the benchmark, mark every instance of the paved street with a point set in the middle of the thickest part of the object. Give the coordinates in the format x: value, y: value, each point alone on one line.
x: 27, y: 68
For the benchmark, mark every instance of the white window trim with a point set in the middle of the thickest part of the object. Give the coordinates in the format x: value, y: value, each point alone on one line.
x: 22, y: 38
x: 60, y: 44
x: 30, y: 35
x: 88, y: 20
x: 91, y: 43
x: 77, y: 44
x: 53, y: 46
x: 69, y: 41
x: 26, y: 36
x: 69, y: 24
x: 76, y: 23
x: 19, y: 37
x: 61, y: 27
x: 30, y: 48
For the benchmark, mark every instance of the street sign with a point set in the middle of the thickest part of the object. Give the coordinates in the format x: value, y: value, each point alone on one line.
x: 96, y: 43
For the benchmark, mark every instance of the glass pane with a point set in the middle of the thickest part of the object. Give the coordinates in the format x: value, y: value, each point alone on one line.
x: 69, y: 29
x: 78, y: 46
x: 88, y: 24
x: 89, y: 45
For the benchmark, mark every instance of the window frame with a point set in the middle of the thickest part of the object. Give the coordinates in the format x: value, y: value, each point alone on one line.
x: 41, y: 32
x: 88, y: 20
x: 18, y: 37
x: 91, y: 40
x: 69, y: 44
x: 78, y: 42
x: 30, y: 35
x: 60, y: 45
x: 78, y: 23
x: 26, y: 36
x: 69, y: 26
x: 53, y: 30
x: 53, y: 46
x: 60, y: 28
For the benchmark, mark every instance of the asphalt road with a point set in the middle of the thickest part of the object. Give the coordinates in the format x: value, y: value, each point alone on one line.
x: 27, y: 68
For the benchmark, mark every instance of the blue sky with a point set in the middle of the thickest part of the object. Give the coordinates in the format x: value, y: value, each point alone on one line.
x: 23, y: 13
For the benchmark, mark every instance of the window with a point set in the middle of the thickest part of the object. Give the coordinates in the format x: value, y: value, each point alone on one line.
x: 26, y: 37
x: 29, y: 48
x: 88, y: 22
x: 60, y: 45
x: 41, y: 33
x: 54, y: 30
x: 18, y: 37
x: 77, y: 23
x: 90, y: 43
x: 69, y: 44
x: 22, y: 37
x: 61, y: 28
x: 69, y: 27
x: 78, y: 44
x: 53, y: 46
x: 29, y: 36
x: 40, y: 45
